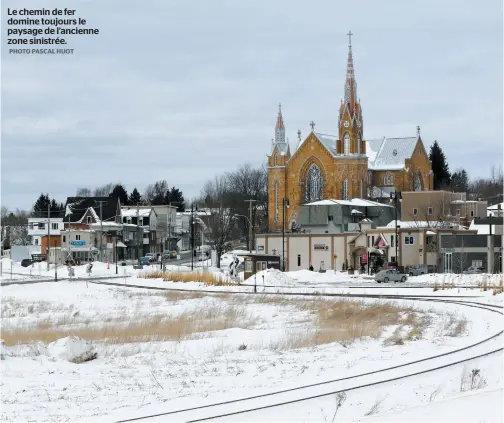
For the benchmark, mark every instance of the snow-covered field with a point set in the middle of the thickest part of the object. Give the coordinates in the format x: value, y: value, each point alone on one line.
x: 200, y: 347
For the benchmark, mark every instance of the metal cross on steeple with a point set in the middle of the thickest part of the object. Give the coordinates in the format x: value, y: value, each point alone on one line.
x: 312, y: 124
x: 349, y: 38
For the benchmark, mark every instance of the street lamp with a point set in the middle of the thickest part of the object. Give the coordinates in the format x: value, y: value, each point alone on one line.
x: 396, y: 196
x: 250, y: 230
x: 286, y: 205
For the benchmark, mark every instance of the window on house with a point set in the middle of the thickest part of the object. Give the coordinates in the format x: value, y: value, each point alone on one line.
x: 36, y: 241
x: 406, y: 240
x: 415, y: 212
x: 429, y: 211
x: 128, y: 220
x: 392, y: 241
x: 77, y: 237
x: 457, y: 212
x: 388, y: 179
x: 372, y: 240
x: 54, y: 226
x: 140, y: 221
x: 64, y: 238
x: 368, y: 241
x: 472, y: 213
x: 299, y: 259
x: 41, y: 225
x: 89, y: 219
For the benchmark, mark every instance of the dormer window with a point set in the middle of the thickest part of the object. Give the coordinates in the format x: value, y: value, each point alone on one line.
x: 89, y: 220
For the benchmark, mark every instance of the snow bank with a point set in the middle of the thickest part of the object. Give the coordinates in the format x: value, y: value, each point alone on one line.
x: 271, y: 277
x: 72, y: 349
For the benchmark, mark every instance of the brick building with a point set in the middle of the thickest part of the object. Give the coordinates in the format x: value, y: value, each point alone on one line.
x: 342, y: 166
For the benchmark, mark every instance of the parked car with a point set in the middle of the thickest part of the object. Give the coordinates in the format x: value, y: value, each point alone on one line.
x: 144, y: 261
x: 473, y: 270
x: 151, y: 256
x: 173, y: 254
x: 393, y: 275
x: 418, y: 269
x: 27, y: 262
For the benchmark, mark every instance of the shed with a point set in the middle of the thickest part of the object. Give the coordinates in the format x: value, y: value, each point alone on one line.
x: 256, y: 262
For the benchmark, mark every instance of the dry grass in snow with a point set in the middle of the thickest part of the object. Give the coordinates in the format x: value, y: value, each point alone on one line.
x: 208, y: 278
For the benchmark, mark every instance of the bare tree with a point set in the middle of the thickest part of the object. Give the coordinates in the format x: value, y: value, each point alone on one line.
x: 104, y: 190
x: 248, y: 183
x: 222, y: 218
x: 14, y: 227
x: 83, y: 192
x: 155, y: 194
x: 430, y: 216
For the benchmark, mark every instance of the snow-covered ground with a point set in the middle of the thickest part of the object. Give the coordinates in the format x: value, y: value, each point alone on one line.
x: 250, y: 353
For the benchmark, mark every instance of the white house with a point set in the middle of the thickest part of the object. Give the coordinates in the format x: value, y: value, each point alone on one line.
x: 37, y: 228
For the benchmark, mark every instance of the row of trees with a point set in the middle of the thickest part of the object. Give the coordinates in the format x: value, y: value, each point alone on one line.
x: 489, y: 189
x: 156, y: 194
x: 226, y: 195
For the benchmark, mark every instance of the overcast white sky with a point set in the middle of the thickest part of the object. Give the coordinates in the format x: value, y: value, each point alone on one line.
x: 184, y: 90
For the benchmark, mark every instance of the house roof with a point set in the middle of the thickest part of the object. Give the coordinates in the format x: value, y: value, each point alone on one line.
x: 357, y: 202
x: 421, y: 224
x: 133, y: 212
x: 389, y: 153
x: 78, y: 206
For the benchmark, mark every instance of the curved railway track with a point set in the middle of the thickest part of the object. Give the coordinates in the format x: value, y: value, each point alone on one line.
x: 488, y: 346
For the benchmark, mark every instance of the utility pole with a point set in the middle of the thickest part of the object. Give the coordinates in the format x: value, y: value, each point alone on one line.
x: 250, y: 223
x: 138, y: 233
x: 101, y: 229
x: 48, y: 233
x: 192, y: 237
x: 285, y: 205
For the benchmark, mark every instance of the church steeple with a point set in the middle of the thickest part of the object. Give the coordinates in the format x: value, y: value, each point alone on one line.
x: 350, y: 114
x: 279, y: 128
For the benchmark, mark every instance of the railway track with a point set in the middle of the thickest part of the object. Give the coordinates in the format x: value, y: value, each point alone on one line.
x: 228, y: 409
x: 249, y: 405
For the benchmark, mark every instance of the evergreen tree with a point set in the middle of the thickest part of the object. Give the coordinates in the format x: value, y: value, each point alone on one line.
x: 55, y: 207
x: 176, y: 198
x: 120, y: 192
x: 134, y: 198
x: 460, y: 181
x: 439, y: 166
x: 41, y: 205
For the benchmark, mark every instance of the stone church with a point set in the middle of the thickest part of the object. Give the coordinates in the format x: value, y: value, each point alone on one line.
x: 342, y: 166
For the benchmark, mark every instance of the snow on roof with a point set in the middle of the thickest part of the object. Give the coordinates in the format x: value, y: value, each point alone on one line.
x: 430, y: 233
x: 389, y: 153
x: 354, y: 211
x: 421, y: 224
x: 133, y: 212
x: 496, y: 206
x: 328, y: 141
x: 482, y: 229
x: 358, y: 202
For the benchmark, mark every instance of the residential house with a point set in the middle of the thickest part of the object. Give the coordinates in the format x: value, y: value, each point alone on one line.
x: 37, y: 228
x: 84, y: 212
x: 79, y: 244
x: 166, y: 235
x: 145, y: 219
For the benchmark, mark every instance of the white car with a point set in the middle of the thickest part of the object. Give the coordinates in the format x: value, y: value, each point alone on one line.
x: 390, y: 275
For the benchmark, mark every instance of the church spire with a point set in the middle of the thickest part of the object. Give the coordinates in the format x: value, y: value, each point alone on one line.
x: 280, y: 128
x: 350, y: 83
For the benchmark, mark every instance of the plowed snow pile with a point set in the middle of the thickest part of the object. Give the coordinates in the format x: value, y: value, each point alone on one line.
x: 271, y: 277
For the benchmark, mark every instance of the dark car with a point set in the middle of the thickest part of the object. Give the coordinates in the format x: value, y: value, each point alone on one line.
x: 27, y: 262
x: 144, y: 261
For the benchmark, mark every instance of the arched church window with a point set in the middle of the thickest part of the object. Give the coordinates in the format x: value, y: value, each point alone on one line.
x: 276, y: 202
x: 362, y: 188
x: 417, y: 184
x: 313, y: 184
x: 345, y: 189
x: 346, y: 144
x: 388, y: 179
x: 275, y: 158
x: 359, y: 142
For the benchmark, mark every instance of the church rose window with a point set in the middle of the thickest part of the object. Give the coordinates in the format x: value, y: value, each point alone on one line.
x: 313, y: 184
